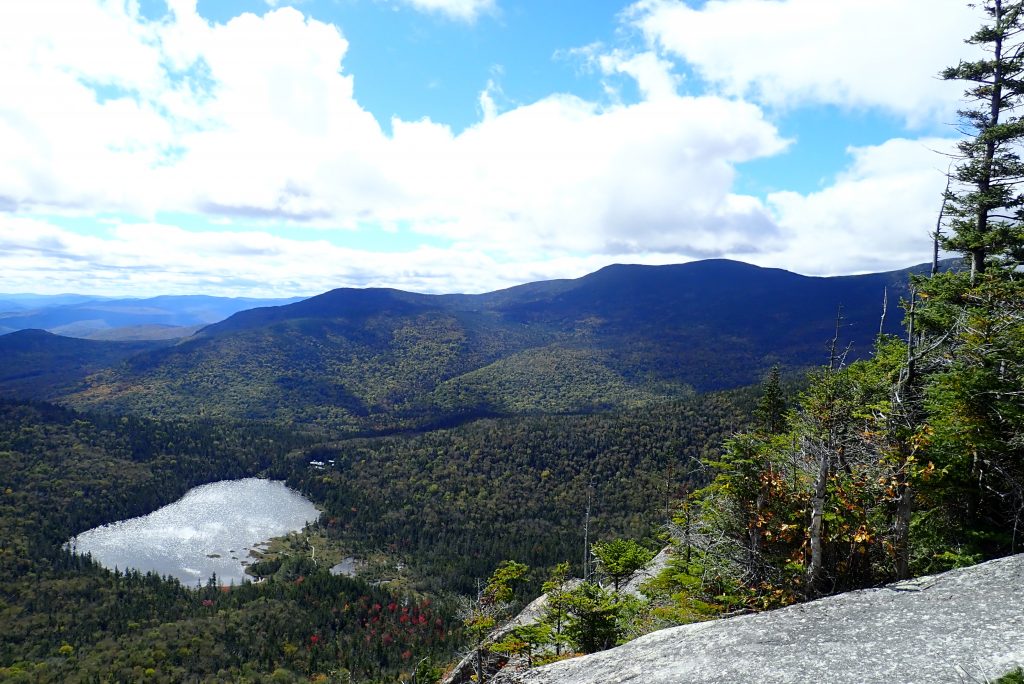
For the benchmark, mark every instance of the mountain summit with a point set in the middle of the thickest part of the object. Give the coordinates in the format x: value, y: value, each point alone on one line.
x: 622, y: 336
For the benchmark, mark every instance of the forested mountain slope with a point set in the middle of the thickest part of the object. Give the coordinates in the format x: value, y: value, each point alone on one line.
x: 35, y: 364
x: 65, y: 619
x: 623, y: 336
x: 456, y: 502
x: 449, y: 504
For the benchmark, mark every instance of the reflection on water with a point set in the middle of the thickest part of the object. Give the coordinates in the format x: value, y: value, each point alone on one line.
x: 209, y: 530
x: 346, y: 567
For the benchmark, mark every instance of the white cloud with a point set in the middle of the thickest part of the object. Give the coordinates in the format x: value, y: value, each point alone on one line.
x: 63, y: 142
x: 488, y: 107
x: 240, y: 117
x: 653, y: 75
x: 462, y: 10
x: 256, y: 118
x: 563, y: 174
x: 851, y: 53
x: 37, y: 256
x: 877, y: 215
x: 102, y: 111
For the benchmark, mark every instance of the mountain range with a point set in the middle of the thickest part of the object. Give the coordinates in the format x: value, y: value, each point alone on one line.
x: 155, y: 318
x: 366, y: 359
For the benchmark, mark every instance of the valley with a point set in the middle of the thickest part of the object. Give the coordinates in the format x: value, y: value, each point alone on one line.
x: 439, y: 436
x: 356, y: 361
x: 507, y: 341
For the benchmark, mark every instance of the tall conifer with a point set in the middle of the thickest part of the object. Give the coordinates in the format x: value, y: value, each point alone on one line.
x: 985, y: 205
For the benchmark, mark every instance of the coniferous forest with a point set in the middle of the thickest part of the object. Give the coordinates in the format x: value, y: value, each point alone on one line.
x: 474, y: 453
x: 909, y: 461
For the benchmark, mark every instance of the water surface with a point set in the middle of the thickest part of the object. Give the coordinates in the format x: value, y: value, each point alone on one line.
x: 346, y: 567
x: 209, y: 530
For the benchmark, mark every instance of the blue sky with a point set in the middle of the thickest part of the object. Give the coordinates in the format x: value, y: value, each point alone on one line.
x: 255, y: 147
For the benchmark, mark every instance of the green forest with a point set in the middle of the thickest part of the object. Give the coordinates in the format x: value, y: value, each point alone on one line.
x: 452, y: 504
x: 555, y: 468
x: 910, y: 461
x: 63, y: 618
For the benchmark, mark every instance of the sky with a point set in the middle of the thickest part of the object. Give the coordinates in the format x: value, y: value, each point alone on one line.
x: 279, y: 148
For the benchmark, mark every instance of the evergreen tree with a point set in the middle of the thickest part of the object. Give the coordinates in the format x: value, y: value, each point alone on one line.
x: 771, y: 407
x: 985, y: 205
x: 971, y: 360
x: 555, y: 610
x: 911, y: 461
x: 493, y: 603
x: 620, y: 558
x: 593, y: 618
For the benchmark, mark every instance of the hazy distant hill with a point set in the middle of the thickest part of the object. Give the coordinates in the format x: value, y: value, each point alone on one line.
x: 24, y: 301
x: 152, y: 331
x: 622, y: 336
x: 80, y: 316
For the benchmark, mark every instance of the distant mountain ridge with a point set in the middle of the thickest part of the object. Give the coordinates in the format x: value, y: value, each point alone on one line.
x: 162, y: 317
x: 622, y: 336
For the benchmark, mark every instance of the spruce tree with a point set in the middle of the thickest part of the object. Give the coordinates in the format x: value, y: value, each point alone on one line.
x: 985, y: 205
x: 970, y: 348
x: 771, y: 407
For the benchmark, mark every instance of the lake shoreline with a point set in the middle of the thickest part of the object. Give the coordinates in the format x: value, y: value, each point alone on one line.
x: 209, y: 532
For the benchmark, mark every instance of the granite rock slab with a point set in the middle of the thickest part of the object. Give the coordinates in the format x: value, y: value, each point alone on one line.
x: 960, y: 626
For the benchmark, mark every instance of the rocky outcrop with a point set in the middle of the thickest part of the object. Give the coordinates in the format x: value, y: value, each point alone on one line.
x: 961, y: 626
x: 463, y: 671
x: 657, y: 564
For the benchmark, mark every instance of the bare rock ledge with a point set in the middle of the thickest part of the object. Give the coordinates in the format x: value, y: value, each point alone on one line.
x: 960, y: 626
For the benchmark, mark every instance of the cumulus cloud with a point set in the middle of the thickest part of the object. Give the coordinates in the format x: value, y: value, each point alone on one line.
x: 851, y: 53
x: 77, y: 104
x: 876, y: 215
x: 255, y: 119
x: 654, y: 76
x: 852, y: 224
x: 565, y: 174
x: 38, y: 256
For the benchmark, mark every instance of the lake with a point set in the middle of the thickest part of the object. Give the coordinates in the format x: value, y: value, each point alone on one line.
x: 209, y: 530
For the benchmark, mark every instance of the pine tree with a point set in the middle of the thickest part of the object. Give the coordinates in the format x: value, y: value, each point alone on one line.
x: 555, y: 610
x: 985, y: 205
x: 971, y: 361
x: 493, y: 602
x: 593, y: 617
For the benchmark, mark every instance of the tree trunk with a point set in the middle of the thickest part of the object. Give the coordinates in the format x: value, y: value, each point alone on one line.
x: 978, y: 252
x: 904, y: 404
x: 586, y: 534
x: 904, y: 507
x: 977, y: 262
x: 755, y: 535
x: 937, y: 236
x: 817, y: 515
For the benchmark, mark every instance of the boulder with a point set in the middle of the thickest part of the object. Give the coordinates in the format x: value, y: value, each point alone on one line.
x: 960, y: 626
